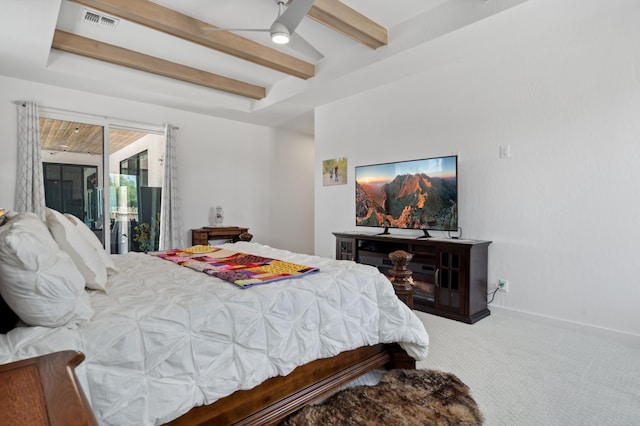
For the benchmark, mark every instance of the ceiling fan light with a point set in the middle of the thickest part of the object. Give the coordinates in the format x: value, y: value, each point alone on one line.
x: 279, y: 33
x: 280, y: 38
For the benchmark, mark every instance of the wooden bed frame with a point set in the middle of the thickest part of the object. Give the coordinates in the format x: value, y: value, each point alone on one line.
x: 44, y: 390
x: 274, y: 399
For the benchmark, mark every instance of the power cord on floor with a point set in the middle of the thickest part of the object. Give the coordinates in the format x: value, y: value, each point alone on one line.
x: 493, y: 295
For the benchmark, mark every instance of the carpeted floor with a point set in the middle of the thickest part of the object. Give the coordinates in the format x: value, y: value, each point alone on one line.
x: 403, y: 397
x: 524, y: 372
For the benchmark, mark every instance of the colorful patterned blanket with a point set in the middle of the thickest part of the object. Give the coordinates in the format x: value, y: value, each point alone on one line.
x: 242, y: 269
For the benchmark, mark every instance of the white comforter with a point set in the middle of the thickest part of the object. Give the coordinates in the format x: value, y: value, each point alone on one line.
x: 166, y: 338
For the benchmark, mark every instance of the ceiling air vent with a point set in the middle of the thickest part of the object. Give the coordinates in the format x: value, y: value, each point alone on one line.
x: 99, y: 19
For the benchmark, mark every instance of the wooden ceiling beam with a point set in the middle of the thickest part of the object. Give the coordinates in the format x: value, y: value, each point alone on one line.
x: 79, y: 45
x: 332, y: 13
x: 340, y: 17
x: 169, y: 21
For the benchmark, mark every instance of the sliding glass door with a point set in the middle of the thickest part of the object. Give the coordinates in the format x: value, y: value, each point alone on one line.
x: 116, y: 195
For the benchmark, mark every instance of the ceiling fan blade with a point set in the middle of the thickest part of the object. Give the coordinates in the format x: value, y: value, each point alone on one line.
x: 303, y: 47
x: 294, y: 13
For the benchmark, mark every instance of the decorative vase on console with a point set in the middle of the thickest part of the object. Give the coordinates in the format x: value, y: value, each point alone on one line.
x: 219, y: 216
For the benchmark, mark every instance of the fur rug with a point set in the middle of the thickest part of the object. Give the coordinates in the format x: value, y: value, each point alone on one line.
x: 403, y: 397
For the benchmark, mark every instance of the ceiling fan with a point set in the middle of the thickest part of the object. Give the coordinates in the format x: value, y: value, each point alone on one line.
x: 282, y: 31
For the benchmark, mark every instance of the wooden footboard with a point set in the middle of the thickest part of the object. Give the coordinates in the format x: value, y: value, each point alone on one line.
x: 277, y: 397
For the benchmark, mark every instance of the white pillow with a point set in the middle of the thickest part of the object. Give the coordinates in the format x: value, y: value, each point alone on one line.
x: 39, y: 281
x: 95, y: 243
x: 84, y: 256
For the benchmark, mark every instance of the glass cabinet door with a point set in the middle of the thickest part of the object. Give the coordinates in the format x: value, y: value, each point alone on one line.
x: 345, y: 248
x: 448, y: 281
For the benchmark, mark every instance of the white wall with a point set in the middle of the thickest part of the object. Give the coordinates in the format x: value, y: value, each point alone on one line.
x: 559, y: 82
x: 292, y: 198
x: 219, y: 162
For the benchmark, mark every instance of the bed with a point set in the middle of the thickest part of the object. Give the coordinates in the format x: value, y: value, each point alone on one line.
x: 167, y: 344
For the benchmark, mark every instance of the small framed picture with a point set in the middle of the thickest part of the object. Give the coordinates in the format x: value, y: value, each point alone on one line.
x: 334, y: 171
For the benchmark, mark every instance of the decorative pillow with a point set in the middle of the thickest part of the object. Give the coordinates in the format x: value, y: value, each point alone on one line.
x: 39, y: 281
x: 93, y: 240
x: 84, y: 256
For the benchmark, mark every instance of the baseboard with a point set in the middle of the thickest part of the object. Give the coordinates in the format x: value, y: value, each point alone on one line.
x: 622, y: 336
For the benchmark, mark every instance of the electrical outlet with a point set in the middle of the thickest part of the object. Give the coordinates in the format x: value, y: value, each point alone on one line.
x: 503, y: 285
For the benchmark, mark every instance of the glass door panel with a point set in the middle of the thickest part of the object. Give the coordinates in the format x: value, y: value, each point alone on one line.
x: 72, y: 164
x: 135, y: 190
x: 123, y: 211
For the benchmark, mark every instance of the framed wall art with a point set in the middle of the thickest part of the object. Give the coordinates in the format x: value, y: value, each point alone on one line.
x: 334, y: 171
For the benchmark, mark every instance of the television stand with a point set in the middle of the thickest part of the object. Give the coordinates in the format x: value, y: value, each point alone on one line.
x: 449, y: 276
x: 385, y: 232
x: 426, y: 234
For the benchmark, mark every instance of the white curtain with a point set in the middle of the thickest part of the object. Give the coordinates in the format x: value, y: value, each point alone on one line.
x: 30, y: 183
x: 170, y: 219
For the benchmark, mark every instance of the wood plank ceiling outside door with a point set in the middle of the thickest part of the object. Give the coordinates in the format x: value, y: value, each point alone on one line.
x: 68, y: 136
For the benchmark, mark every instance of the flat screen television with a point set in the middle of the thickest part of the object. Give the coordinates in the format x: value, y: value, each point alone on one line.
x: 417, y: 194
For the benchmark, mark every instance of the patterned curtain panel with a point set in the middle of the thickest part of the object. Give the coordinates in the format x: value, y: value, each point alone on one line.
x: 30, y: 183
x: 170, y: 219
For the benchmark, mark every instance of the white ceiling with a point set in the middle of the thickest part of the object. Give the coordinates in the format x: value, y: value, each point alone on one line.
x: 27, y: 28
